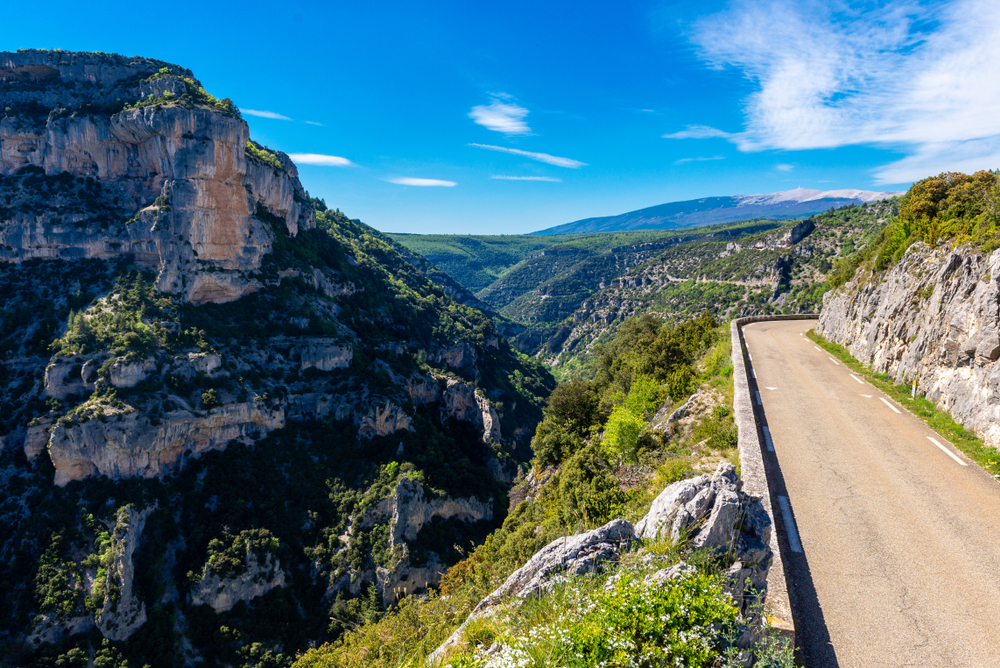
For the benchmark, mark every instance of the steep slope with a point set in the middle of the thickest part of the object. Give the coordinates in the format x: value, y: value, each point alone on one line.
x: 106, y: 157
x: 923, y: 303
x: 778, y: 271
x: 227, y: 413
x: 797, y: 203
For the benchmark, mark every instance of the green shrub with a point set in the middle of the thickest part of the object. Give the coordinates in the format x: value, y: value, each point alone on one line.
x: 588, y: 491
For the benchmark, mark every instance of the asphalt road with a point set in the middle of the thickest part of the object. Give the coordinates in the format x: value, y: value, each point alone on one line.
x: 899, y: 563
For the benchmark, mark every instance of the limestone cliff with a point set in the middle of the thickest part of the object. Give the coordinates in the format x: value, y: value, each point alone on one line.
x: 169, y: 183
x: 222, y: 593
x: 123, y: 612
x: 934, y: 317
x: 405, y: 512
x: 183, y: 327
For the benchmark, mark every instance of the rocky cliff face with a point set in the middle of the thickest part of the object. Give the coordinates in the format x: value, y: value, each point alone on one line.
x: 222, y: 593
x: 169, y: 184
x: 934, y: 317
x: 183, y: 327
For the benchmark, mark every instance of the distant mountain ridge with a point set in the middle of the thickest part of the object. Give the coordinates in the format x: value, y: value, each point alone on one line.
x: 797, y: 203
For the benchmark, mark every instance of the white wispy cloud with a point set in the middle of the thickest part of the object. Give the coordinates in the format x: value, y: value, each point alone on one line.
x: 920, y: 78
x: 699, y: 159
x: 319, y: 159
x: 314, y: 123
x: 699, y: 132
x: 550, y: 179
x: 265, y: 114
x: 784, y: 167
x: 540, y: 157
x: 407, y: 181
x: 501, y: 116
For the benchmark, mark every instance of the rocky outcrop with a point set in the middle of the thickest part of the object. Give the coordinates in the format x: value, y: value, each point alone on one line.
x: 933, y: 317
x: 256, y: 580
x: 384, y: 420
x: 130, y: 444
x: 714, y: 514
x: 573, y: 555
x: 408, y: 511
x: 169, y: 185
x: 37, y: 438
x: 123, y: 612
x: 65, y: 377
x: 464, y: 402
x: 130, y: 374
x: 711, y: 511
x: 325, y: 354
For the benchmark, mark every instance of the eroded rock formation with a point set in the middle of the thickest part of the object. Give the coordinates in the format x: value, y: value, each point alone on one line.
x: 170, y: 184
x: 934, y: 317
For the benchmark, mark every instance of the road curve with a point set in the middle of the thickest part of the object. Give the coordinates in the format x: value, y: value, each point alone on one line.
x: 900, y: 542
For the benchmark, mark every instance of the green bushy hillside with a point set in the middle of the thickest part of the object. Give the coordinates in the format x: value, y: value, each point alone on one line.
x: 591, y: 465
x: 291, y: 491
x: 757, y: 274
x: 951, y: 208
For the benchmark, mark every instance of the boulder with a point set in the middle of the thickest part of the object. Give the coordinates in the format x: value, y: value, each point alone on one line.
x: 576, y: 555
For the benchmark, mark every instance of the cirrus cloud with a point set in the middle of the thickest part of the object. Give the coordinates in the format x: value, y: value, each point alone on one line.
x: 319, y: 159
x: 550, y: 179
x: 915, y: 77
x: 569, y: 163
x: 265, y: 114
x: 409, y: 181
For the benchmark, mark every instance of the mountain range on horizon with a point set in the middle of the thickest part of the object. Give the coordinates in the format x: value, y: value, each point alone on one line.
x: 800, y: 202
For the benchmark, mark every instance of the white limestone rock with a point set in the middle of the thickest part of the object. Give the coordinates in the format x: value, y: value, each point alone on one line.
x: 257, y: 579
x: 123, y: 612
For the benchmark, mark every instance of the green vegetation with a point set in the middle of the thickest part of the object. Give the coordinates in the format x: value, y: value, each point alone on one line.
x: 951, y: 207
x: 937, y: 419
x: 194, y: 96
x: 577, y: 484
x: 264, y: 156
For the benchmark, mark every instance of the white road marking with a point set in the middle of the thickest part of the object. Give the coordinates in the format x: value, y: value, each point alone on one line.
x: 750, y: 356
x: 800, y: 333
x: 767, y: 439
x: 759, y: 402
x: 771, y: 388
x: 889, y: 405
x: 947, y: 451
x: 856, y: 378
x: 794, y: 544
x: 867, y: 396
x: 752, y: 374
x: 817, y: 348
x: 835, y: 361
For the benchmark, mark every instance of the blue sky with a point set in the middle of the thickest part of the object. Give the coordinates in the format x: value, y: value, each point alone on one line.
x: 544, y: 113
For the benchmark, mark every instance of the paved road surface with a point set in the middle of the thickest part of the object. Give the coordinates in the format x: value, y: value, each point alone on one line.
x: 900, y: 560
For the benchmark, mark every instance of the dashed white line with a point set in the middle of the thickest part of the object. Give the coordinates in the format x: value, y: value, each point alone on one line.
x: 794, y: 544
x: 856, y: 378
x: 817, y: 348
x: 767, y: 440
x: 867, y: 396
x: 835, y: 361
x: 883, y: 400
x: 946, y: 451
x: 752, y: 374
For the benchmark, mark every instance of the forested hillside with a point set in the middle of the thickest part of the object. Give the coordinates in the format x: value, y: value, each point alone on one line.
x: 233, y: 422
x: 604, y: 450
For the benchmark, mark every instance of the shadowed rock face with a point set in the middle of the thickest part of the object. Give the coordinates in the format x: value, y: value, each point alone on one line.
x: 933, y: 317
x: 169, y: 186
